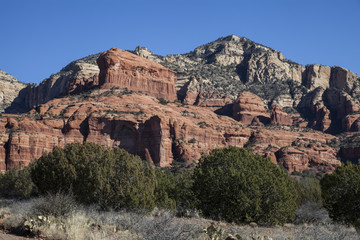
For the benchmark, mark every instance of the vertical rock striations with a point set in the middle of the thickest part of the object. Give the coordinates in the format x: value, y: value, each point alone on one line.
x: 119, y: 68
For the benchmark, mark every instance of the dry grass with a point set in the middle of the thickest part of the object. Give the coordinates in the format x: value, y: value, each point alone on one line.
x: 90, y: 223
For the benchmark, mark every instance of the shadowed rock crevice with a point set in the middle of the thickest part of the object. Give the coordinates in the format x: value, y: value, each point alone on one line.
x: 242, y: 69
x: 84, y: 129
x: 151, y: 138
x: 126, y: 136
x: 226, y: 110
x: 5, y: 164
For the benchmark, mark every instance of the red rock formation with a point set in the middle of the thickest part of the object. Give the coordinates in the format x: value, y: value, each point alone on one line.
x: 249, y: 106
x: 214, y: 101
x: 119, y: 68
x: 322, y: 119
x: 311, y: 156
x: 158, y: 133
x: 340, y: 102
x: 189, y: 92
x: 141, y: 125
x: 278, y: 116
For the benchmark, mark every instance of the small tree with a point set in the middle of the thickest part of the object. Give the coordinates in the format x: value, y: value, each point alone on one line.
x: 235, y: 185
x: 309, y: 190
x: 341, y: 194
x: 16, y: 183
x: 165, y: 190
x: 94, y: 174
x: 174, y: 190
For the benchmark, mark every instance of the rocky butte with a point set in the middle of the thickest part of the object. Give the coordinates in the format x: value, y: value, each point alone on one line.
x: 119, y: 68
x: 229, y: 92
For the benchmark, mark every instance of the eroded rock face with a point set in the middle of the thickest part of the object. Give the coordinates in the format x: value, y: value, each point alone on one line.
x: 248, y: 108
x: 234, y: 64
x: 342, y: 79
x: 134, y: 122
x: 322, y: 119
x: 138, y: 123
x: 269, y: 66
x: 300, y: 159
x: 119, y: 68
x: 351, y: 123
x: 77, y: 77
x: 278, y: 116
x: 9, y: 89
x: 190, y: 92
x: 317, y: 76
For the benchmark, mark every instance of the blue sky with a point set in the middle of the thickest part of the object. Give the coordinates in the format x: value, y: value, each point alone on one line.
x: 39, y: 37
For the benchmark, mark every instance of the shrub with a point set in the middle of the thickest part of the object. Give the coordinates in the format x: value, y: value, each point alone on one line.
x: 165, y: 190
x: 174, y: 191
x: 55, y: 205
x: 94, y: 174
x: 16, y: 183
x: 341, y: 194
x: 185, y: 197
x: 235, y: 185
x: 163, y: 101
x: 309, y: 190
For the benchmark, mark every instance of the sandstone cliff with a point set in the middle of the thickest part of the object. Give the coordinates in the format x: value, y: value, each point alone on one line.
x: 119, y: 68
x: 158, y: 133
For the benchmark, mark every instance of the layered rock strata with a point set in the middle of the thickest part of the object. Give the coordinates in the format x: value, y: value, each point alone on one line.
x: 249, y: 108
x: 142, y: 125
x: 119, y: 68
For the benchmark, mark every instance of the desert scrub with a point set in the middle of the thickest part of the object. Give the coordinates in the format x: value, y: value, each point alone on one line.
x: 309, y: 189
x: 90, y: 223
x: 35, y: 218
x: 163, y: 101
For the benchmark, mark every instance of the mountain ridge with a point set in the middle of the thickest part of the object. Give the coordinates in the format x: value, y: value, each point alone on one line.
x: 228, y: 92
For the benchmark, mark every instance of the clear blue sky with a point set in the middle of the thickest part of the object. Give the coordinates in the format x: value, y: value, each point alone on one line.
x: 39, y: 37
